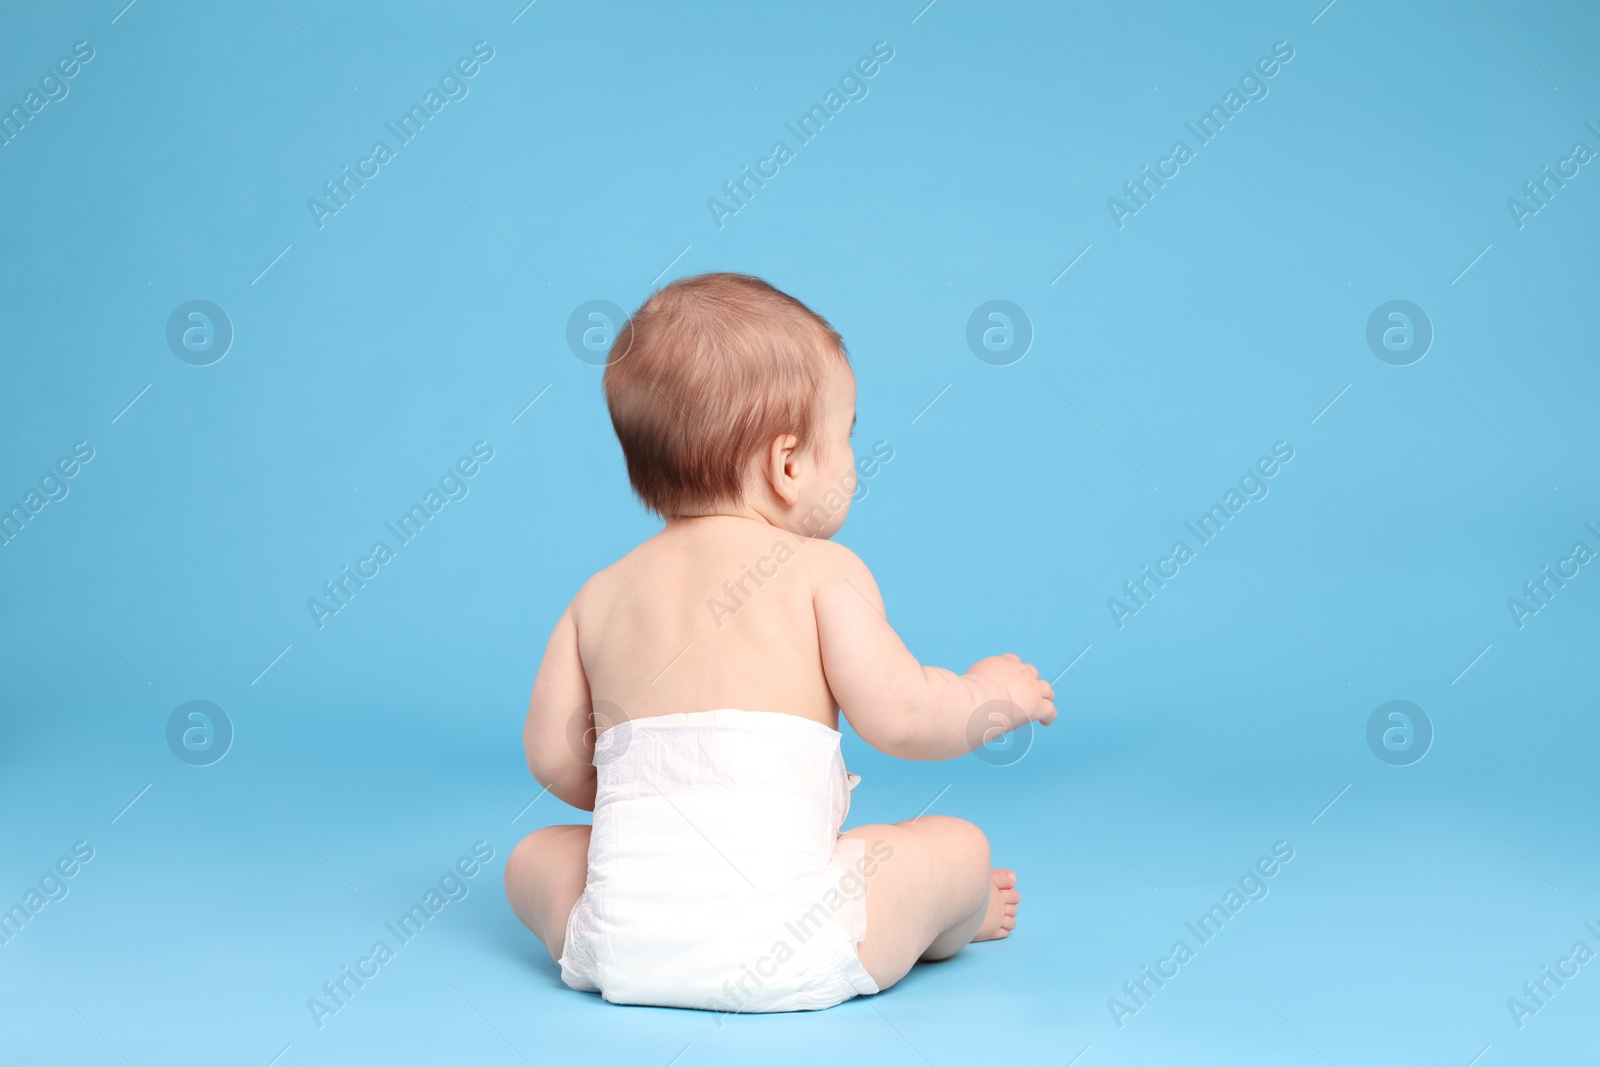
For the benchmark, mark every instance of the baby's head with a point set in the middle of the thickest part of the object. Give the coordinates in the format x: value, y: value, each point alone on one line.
x: 729, y: 396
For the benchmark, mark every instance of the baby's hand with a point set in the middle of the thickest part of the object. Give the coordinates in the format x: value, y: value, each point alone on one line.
x: 1021, y: 685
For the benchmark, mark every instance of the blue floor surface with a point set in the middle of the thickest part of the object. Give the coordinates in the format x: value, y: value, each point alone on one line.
x: 1351, y: 333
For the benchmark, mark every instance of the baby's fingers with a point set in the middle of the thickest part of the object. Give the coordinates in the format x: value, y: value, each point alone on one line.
x: 1047, y: 696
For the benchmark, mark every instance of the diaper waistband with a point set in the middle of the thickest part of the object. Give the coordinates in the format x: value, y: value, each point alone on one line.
x: 727, y: 718
x: 724, y: 749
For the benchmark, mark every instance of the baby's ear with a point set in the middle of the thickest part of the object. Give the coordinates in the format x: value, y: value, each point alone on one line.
x: 781, y: 468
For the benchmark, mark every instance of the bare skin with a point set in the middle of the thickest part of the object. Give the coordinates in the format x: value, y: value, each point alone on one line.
x: 750, y: 606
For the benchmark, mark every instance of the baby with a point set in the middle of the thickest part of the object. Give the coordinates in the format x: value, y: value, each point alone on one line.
x: 689, y: 696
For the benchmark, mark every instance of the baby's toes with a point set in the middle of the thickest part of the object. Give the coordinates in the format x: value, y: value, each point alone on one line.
x: 1003, y: 878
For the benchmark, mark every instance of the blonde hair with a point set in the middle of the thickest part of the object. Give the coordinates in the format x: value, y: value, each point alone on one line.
x: 704, y: 376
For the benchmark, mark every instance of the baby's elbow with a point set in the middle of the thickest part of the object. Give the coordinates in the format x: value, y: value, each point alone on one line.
x: 569, y: 782
x: 580, y: 794
x: 575, y: 789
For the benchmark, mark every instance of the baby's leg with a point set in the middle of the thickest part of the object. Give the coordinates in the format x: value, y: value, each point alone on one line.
x: 934, y: 895
x: 544, y: 878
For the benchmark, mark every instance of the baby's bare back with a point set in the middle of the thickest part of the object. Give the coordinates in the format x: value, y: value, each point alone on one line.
x: 713, y: 612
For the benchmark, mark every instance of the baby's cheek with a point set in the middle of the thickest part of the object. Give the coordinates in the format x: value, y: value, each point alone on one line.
x: 840, y: 515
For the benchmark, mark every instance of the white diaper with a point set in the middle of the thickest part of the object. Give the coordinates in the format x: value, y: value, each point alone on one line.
x: 717, y: 877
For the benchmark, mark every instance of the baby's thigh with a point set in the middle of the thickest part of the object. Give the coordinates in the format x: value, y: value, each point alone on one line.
x: 933, y: 875
x: 545, y: 875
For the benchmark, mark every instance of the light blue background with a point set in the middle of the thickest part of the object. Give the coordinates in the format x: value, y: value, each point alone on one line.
x: 425, y: 316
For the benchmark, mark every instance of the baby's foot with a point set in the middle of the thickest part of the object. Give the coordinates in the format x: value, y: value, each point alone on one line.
x: 1001, y: 917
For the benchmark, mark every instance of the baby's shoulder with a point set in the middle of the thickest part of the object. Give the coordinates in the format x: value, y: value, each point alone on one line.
x: 826, y: 562
x: 607, y: 583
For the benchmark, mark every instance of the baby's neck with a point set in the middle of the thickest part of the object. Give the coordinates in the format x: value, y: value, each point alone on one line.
x: 741, y: 512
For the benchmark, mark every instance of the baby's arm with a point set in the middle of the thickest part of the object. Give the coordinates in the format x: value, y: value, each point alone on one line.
x: 897, y: 705
x: 559, y: 736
